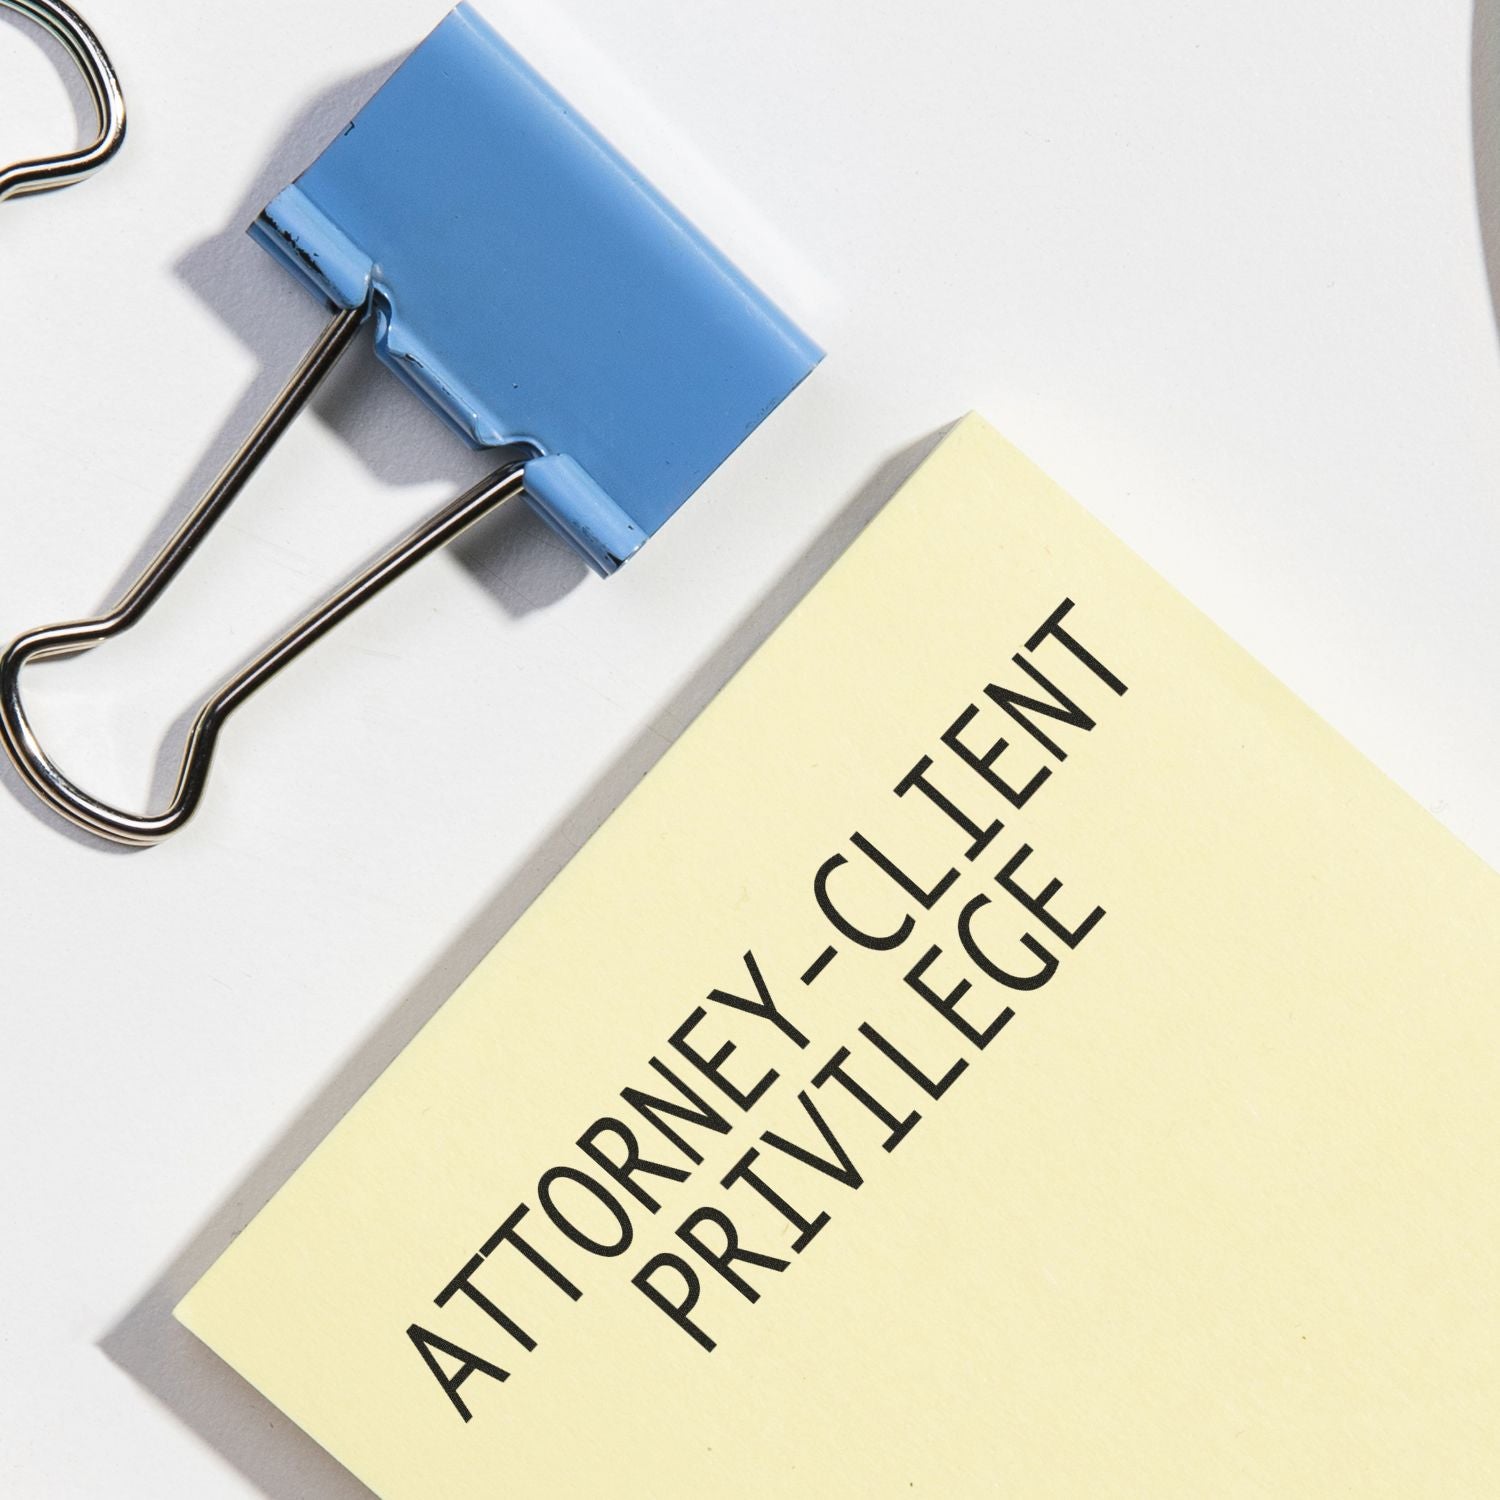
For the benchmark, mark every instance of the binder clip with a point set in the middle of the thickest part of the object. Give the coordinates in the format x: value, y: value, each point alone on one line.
x: 528, y: 284
x: 42, y: 173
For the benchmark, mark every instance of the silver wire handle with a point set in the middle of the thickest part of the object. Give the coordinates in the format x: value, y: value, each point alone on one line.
x: 38, y: 770
x: 40, y: 173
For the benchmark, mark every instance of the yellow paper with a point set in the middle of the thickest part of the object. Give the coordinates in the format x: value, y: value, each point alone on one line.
x: 1212, y: 1214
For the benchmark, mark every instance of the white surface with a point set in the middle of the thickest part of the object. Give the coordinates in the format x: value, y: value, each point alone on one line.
x: 1219, y: 268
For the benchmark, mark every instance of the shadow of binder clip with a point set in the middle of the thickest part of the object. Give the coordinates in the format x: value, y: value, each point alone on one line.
x: 525, y: 281
x: 42, y: 173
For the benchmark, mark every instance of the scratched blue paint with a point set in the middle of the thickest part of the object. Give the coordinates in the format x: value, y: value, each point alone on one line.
x: 530, y: 285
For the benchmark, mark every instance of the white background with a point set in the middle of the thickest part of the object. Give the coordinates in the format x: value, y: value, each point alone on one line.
x: 1219, y: 267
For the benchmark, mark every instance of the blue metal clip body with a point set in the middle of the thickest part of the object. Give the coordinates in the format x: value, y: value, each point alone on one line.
x: 530, y: 285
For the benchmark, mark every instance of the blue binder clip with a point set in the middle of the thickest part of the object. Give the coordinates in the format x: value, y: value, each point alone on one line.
x: 526, y: 282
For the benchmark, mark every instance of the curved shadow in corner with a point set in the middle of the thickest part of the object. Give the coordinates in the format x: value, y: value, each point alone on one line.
x: 1484, y: 106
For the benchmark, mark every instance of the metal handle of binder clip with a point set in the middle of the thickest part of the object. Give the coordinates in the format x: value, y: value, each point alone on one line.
x: 20, y: 741
x: 41, y: 173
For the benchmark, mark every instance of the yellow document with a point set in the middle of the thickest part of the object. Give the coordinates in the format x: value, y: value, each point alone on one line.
x: 1008, y: 1047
